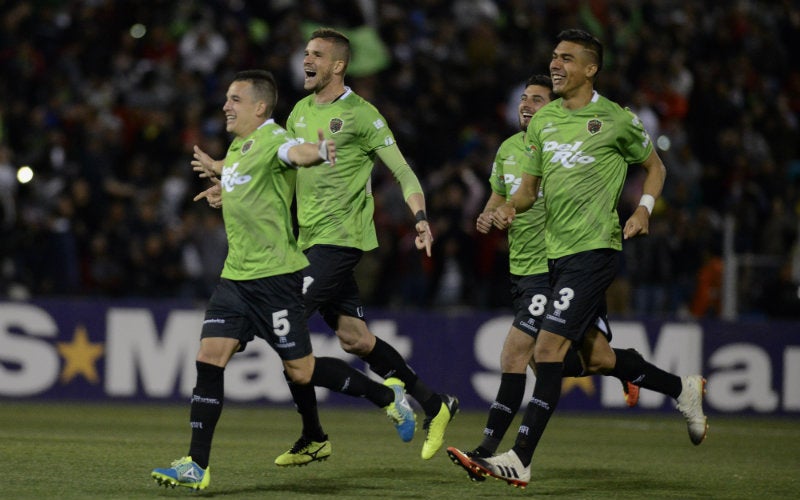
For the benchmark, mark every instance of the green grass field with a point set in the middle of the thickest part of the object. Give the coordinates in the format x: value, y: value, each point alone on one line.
x: 106, y: 451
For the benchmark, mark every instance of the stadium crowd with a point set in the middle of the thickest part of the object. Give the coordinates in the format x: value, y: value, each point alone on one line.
x: 104, y: 104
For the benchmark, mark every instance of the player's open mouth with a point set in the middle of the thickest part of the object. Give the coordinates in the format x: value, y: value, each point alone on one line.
x: 310, y: 74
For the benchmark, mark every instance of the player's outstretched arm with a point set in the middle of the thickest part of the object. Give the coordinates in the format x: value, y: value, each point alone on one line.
x: 308, y: 154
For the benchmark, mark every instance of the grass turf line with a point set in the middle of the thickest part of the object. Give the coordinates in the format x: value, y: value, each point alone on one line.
x: 106, y: 451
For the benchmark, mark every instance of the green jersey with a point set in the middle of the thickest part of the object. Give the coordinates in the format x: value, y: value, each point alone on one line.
x: 257, y: 191
x: 335, y: 205
x: 526, y: 235
x: 582, y: 157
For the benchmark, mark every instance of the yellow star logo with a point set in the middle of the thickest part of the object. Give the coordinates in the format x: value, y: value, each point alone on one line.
x: 586, y: 384
x: 80, y: 356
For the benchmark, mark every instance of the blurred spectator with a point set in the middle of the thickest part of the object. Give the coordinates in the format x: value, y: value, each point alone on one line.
x: 202, y: 47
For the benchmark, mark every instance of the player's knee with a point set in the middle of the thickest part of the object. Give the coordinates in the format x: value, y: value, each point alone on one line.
x: 299, y: 376
x: 602, y: 364
x: 355, y: 346
x: 356, y: 341
x: 300, y: 370
x: 514, y: 362
x: 550, y: 349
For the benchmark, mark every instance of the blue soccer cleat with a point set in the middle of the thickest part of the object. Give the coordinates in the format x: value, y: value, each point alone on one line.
x: 183, y: 472
x: 399, y: 411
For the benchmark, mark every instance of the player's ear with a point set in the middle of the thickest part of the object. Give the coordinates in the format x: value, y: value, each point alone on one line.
x: 339, y: 66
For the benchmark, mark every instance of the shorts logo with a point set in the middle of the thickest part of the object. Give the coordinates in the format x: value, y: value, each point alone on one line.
x: 594, y: 125
x: 247, y: 146
x: 335, y: 125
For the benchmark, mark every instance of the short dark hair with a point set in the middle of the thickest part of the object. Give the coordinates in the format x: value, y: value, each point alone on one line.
x: 542, y: 81
x: 264, y: 85
x: 586, y: 40
x: 337, y: 38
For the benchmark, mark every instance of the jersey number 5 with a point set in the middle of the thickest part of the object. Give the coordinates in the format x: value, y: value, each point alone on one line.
x: 280, y: 322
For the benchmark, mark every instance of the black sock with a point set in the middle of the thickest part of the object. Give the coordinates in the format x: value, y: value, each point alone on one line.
x: 632, y: 367
x: 503, y: 410
x: 387, y: 362
x: 207, y: 399
x: 573, y: 367
x: 546, y: 394
x: 305, y: 401
x: 338, y: 376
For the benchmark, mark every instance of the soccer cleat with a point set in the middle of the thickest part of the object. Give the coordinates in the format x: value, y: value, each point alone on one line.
x: 463, y: 460
x: 304, y: 452
x: 399, y: 411
x: 630, y: 390
x: 183, y: 472
x: 506, y: 466
x: 631, y: 393
x: 436, y: 425
x: 690, y: 403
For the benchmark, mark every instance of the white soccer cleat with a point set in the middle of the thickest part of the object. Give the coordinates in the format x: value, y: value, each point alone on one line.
x: 506, y: 466
x: 690, y: 403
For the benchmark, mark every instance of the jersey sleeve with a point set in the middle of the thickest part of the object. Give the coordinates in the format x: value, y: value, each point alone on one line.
x: 374, y: 130
x: 496, y: 178
x: 283, y: 151
x: 636, y: 145
x: 394, y: 160
x: 532, y: 162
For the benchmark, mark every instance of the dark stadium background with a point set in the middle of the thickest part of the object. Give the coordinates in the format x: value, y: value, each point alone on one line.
x: 103, y: 100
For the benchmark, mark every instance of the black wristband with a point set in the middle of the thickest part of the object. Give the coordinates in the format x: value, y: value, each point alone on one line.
x: 420, y: 216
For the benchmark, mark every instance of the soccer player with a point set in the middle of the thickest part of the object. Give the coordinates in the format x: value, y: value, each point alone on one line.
x: 581, y: 146
x: 260, y: 290
x: 530, y: 286
x: 335, y: 215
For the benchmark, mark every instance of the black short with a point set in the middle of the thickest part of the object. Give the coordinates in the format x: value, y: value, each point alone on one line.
x: 529, y: 295
x: 271, y: 308
x: 578, y: 298
x: 329, y: 283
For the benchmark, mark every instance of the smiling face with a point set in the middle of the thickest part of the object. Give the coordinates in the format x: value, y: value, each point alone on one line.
x: 321, y: 65
x: 572, y: 69
x: 531, y: 101
x: 243, y: 112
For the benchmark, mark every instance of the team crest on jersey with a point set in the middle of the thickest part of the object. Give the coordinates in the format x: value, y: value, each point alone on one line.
x: 335, y: 125
x: 594, y: 125
x: 247, y: 146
